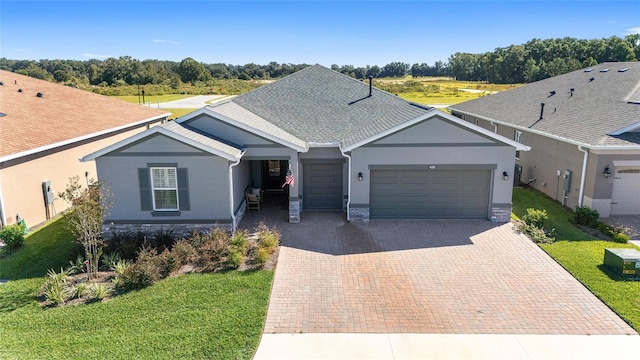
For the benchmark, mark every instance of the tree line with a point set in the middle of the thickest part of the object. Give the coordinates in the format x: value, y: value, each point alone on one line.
x: 535, y: 60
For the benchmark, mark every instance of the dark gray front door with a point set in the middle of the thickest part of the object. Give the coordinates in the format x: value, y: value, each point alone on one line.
x: 322, y: 186
x: 429, y: 194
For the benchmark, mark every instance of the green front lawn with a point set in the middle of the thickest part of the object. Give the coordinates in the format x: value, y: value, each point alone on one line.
x: 49, y: 247
x: 582, y: 256
x: 198, y: 316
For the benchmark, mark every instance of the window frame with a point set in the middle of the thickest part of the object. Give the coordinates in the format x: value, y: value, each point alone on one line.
x: 153, y: 187
x: 517, y: 137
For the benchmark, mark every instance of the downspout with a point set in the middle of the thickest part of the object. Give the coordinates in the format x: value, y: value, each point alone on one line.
x: 348, y: 186
x: 231, y: 203
x: 583, y: 176
x: 2, y: 221
x: 495, y: 126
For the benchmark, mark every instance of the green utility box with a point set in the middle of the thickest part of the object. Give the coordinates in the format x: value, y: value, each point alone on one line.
x: 625, y: 262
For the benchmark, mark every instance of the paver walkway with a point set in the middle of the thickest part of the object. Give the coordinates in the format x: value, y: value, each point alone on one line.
x: 438, y: 277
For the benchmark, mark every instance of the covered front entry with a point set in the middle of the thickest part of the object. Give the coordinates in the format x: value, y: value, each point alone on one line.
x: 625, y: 198
x: 322, y: 182
x: 430, y: 194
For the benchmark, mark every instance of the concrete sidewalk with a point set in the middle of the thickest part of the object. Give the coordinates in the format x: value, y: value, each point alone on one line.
x: 446, y: 346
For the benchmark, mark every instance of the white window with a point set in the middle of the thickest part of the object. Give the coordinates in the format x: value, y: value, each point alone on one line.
x: 164, y: 186
x: 516, y: 137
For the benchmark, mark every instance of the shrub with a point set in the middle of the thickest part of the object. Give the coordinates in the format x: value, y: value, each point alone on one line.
x: 13, y: 236
x: 166, y: 263
x: 77, y: 267
x: 214, y: 252
x: 119, y: 268
x: 78, y: 291
x: 139, y: 275
x: 97, y: 292
x: 109, y: 260
x: 145, y: 271
x: 535, y: 217
x: 583, y: 215
x: 538, y: 235
x: 183, y: 252
x: 53, y: 288
x: 238, y: 245
x: 126, y: 244
x: 620, y: 238
x: 267, y: 243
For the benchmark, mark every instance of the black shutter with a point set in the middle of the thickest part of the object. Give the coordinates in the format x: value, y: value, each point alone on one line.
x: 183, y: 189
x: 145, y: 190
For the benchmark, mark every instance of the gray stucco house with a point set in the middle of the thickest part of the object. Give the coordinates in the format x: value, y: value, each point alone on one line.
x: 348, y: 146
x: 584, y: 129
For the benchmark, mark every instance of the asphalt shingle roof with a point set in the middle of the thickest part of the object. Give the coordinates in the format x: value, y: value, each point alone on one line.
x: 61, y: 114
x: 601, y: 102
x: 205, y: 139
x: 320, y: 105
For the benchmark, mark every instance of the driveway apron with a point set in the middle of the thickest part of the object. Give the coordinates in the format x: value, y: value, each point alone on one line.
x: 437, y: 277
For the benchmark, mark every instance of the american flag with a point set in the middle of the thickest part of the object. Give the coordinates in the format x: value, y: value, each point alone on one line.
x: 288, y: 180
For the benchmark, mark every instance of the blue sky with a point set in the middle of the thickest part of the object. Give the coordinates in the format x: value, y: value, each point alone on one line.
x: 326, y: 32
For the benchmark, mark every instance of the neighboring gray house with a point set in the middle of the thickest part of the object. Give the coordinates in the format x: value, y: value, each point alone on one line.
x: 349, y: 147
x: 584, y: 129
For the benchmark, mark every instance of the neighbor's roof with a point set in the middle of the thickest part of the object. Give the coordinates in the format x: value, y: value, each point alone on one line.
x: 62, y: 115
x: 182, y: 133
x: 600, y: 111
x: 319, y: 105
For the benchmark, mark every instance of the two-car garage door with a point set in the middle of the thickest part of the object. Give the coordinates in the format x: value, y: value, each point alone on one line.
x: 429, y: 194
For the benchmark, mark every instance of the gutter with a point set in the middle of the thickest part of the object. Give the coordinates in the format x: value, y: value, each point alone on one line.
x: 231, y: 204
x: 348, y: 185
x: 559, y: 138
x: 81, y: 138
x: 583, y: 176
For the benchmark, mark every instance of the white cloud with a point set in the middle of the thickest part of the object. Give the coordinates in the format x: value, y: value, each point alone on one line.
x: 159, y: 41
x: 96, y: 56
x: 635, y: 30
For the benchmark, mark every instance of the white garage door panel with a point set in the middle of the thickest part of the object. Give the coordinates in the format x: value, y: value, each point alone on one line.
x: 428, y: 194
x: 625, y: 198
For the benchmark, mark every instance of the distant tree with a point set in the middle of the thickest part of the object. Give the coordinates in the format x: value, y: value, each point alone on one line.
x: 191, y: 71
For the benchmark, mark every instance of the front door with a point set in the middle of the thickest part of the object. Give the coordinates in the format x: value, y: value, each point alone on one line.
x: 274, y: 172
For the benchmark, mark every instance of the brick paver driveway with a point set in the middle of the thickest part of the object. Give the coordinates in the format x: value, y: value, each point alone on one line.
x: 454, y: 277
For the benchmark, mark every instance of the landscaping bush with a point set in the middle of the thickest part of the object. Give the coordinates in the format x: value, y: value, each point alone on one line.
x: 183, y: 252
x: 12, y: 236
x: 535, y: 217
x: 53, y: 288
x: 97, y: 292
x: 267, y: 243
x: 145, y: 271
x: 583, y: 215
x: 538, y: 235
x: 77, y: 267
x: 238, y: 245
x: 215, y: 250
x: 620, y: 238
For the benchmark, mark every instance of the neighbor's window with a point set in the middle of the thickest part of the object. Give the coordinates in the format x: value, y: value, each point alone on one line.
x: 516, y: 137
x: 164, y: 185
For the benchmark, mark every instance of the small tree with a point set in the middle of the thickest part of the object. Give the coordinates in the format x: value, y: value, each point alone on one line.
x: 89, y: 207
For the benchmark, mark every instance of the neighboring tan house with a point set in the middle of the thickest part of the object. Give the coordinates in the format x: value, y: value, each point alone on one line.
x: 346, y: 145
x: 584, y: 129
x: 44, y: 130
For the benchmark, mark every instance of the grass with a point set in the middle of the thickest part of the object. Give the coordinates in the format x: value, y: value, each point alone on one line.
x: 153, y: 99
x: 49, y: 247
x: 582, y: 256
x: 188, y: 317
x: 204, y: 316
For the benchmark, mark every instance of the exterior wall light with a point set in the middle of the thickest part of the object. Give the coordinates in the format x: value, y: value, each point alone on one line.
x: 607, y: 172
x: 505, y: 176
x: 360, y: 177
